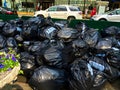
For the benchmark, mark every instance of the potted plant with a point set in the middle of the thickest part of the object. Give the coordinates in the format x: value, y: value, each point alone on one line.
x: 9, y: 66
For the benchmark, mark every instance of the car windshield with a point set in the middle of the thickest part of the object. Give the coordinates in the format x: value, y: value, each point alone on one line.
x: 111, y: 12
x: 74, y: 8
x: 53, y: 8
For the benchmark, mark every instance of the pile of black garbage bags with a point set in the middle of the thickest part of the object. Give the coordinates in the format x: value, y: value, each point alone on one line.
x: 56, y: 57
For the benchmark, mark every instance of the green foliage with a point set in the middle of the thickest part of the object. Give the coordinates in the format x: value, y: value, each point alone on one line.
x: 8, y: 60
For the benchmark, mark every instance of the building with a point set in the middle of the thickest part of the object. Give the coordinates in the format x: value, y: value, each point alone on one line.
x: 33, y: 5
x: 27, y: 5
x: 81, y: 3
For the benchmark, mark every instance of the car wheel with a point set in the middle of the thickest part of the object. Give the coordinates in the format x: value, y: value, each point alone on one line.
x: 40, y: 16
x: 70, y: 18
x: 102, y: 19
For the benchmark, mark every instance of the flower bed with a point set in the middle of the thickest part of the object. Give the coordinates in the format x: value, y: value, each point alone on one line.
x: 9, y: 66
x: 8, y: 76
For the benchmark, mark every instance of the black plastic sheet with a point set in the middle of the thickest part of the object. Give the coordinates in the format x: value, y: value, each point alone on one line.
x: 47, y: 78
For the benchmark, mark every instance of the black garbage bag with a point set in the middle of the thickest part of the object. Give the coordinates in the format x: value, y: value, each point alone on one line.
x: 81, y: 27
x: 99, y: 80
x: 48, y: 21
x: 110, y: 31
x: 1, y: 25
x: 60, y: 24
x: 48, y: 78
x: 65, y: 49
x: 29, y: 32
x: 98, y: 64
x: 50, y: 32
x: 102, y: 54
x: 80, y: 47
x: 18, y: 23
x: 113, y: 57
x: 67, y: 34
x: 91, y: 37
x: 104, y: 44
x: 27, y: 61
x: 2, y: 42
x: 18, y: 38
x: 79, y: 43
x: 35, y: 47
x: 112, y: 39
x: 118, y: 34
x: 54, y: 57
x: 38, y: 47
x: 40, y: 21
x: 11, y: 42
x: 81, y: 75
x: 101, y: 65
x: 117, y: 45
x: 26, y: 45
x: 34, y: 20
x: 9, y: 30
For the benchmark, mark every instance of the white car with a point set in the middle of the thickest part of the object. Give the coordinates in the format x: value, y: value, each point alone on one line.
x: 61, y: 12
x: 113, y: 16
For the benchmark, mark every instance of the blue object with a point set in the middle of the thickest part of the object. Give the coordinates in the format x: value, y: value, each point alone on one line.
x: 5, y: 3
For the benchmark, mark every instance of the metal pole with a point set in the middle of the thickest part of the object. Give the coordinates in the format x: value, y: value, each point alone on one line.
x: 13, y: 5
x: 68, y: 2
x: 26, y: 5
x: 84, y: 7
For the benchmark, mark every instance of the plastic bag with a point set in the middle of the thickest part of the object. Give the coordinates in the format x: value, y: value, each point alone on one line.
x: 110, y: 31
x: 60, y: 24
x: 18, y: 38
x: 79, y: 43
x: 30, y: 32
x: 48, y: 78
x: 2, y: 41
x: 98, y: 64
x: 53, y: 57
x: 81, y: 27
x: 34, y: 21
x: 80, y: 47
x: 99, y: 80
x: 104, y: 44
x: 9, y: 30
x: 36, y: 46
x: 118, y: 34
x: 113, y: 40
x: 47, y: 32
x: 11, y: 42
x: 91, y: 37
x: 27, y: 61
x: 113, y: 57
x: 67, y: 34
x: 81, y: 75
x: 101, y: 65
x: 1, y: 25
x: 50, y: 32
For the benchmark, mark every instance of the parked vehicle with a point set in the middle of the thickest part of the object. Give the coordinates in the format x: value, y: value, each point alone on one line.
x: 113, y: 16
x: 5, y: 10
x: 61, y: 12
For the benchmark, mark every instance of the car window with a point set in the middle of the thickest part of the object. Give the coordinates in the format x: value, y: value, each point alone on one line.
x: 54, y: 8
x: 113, y: 13
x: 118, y: 12
x: 74, y: 9
x: 61, y: 8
